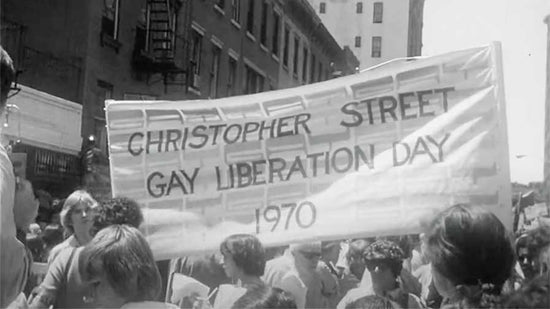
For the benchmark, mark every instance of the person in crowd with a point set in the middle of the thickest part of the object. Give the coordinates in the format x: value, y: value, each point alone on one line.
x: 243, y: 259
x: 118, y: 210
x: 14, y: 260
x: 266, y: 298
x: 77, y: 217
x: 63, y: 286
x: 51, y: 237
x: 471, y: 256
x: 206, y: 269
x: 295, y: 273
x: 119, y: 270
x: 534, y: 293
x: 384, y: 261
x: 353, y: 273
x: 534, y: 251
x: 328, y: 273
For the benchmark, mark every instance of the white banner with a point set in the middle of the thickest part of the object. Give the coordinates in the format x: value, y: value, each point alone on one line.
x: 369, y: 154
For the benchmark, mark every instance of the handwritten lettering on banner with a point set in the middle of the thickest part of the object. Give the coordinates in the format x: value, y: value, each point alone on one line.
x: 367, y: 154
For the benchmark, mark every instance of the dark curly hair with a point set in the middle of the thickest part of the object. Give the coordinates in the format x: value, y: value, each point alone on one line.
x: 265, y: 297
x: 247, y: 252
x: 118, y: 210
x: 470, y: 247
x: 386, y: 251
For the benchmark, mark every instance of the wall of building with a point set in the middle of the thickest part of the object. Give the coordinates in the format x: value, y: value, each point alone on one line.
x: 345, y: 24
x: 48, y: 41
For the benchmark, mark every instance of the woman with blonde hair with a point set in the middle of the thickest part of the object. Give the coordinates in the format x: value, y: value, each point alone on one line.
x: 77, y: 218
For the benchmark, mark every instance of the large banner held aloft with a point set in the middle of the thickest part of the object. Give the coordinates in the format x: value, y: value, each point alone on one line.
x: 370, y: 154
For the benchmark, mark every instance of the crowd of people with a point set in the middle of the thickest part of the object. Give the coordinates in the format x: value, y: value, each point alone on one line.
x: 98, y: 258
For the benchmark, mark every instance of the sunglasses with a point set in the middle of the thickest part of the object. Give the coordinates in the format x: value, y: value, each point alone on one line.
x: 372, y: 265
x: 311, y: 255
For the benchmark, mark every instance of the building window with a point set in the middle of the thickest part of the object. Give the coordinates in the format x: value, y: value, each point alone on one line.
x: 196, y: 46
x: 357, y: 41
x: 312, y: 69
x: 359, y: 8
x: 220, y: 4
x: 214, y: 71
x: 286, y: 47
x: 378, y: 12
x: 250, y: 17
x: 296, y: 50
x: 232, y: 77
x: 322, y: 8
x: 305, y: 61
x: 263, y: 29
x: 236, y: 10
x: 110, y: 19
x: 275, y: 38
x: 254, y: 81
x: 320, y: 72
x: 376, y: 47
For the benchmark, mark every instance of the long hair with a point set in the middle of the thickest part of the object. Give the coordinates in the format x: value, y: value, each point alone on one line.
x: 121, y: 254
x: 71, y: 202
x: 471, y: 248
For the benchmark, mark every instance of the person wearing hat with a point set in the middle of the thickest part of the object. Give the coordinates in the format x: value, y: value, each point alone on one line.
x: 384, y: 261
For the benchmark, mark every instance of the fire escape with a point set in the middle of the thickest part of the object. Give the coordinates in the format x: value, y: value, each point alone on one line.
x: 158, y: 47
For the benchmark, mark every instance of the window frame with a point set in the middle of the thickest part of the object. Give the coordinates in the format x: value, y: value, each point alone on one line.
x: 215, y: 70
x: 250, y: 17
x: 377, y: 12
x: 196, y: 52
x: 276, y: 34
x: 115, y: 20
x: 376, y: 43
x: 286, y: 46
x: 236, y: 11
x: 322, y: 8
x: 296, y: 58
x: 359, y: 7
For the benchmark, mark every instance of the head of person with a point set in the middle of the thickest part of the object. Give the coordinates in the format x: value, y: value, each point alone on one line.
x: 7, y: 76
x: 118, y: 267
x: 330, y: 250
x: 372, y: 302
x: 355, y: 259
x: 384, y: 261
x: 242, y: 255
x: 25, y: 205
x: 78, y: 213
x: 471, y: 255
x: 266, y: 297
x: 534, y: 293
x: 306, y: 255
x: 118, y: 210
x: 536, y: 248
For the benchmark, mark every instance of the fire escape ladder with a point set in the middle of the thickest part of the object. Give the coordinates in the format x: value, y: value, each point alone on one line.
x: 161, y: 30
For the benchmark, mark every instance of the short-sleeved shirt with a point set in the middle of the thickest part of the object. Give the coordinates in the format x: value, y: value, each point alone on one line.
x: 63, y: 286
